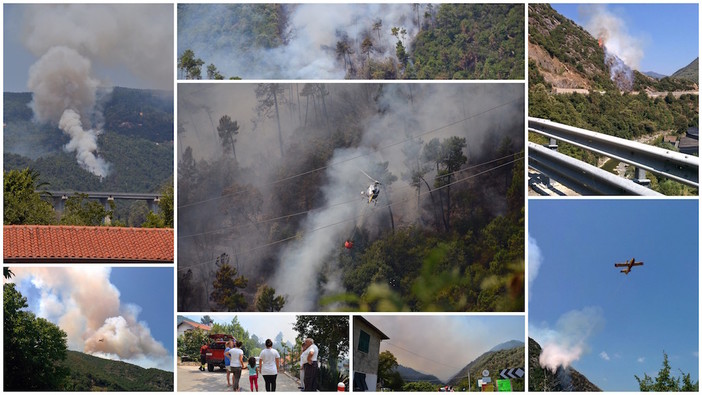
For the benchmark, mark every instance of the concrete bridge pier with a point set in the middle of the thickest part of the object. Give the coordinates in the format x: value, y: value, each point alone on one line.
x: 153, y: 204
x: 59, y: 203
x: 106, y: 204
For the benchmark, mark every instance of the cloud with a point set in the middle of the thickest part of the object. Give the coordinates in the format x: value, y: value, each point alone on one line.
x: 604, y: 356
x: 535, y: 259
x: 640, y: 360
x: 86, y: 305
x: 567, y: 342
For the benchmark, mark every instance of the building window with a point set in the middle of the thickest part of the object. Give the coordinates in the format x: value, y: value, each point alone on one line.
x: 363, y: 342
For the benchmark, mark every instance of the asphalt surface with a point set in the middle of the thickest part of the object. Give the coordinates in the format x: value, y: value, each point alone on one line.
x: 190, y: 379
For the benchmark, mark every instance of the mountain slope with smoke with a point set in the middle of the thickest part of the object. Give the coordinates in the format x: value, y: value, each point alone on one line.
x: 599, y: 56
x: 355, y: 41
x: 87, y: 306
x: 562, y: 379
x: 68, y: 42
x: 283, y: 221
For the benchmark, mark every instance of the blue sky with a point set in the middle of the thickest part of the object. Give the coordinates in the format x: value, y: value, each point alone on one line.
x: 653, y: 309
x: 668, y: 32
x: 117, y: 313
x: 444, y: 344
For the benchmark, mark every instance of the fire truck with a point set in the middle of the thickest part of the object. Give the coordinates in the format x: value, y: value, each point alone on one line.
x: 215, y: 353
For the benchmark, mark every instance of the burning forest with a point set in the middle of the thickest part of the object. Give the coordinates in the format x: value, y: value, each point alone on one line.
x: 275, y: 211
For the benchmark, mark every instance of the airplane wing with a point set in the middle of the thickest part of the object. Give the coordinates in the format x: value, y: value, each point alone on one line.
x: 620, y: 265
x: 637, y: 264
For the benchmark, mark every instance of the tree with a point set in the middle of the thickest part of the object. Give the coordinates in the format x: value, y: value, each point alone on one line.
x: 419, y: 386
x: 213, y: 73
x: 387, y: 371
x: 268, y: 96
x: 207, y: 320
x: 190, y: 65
x: 330, y: 334
x: 226, y: 286
x: 665, y: 382
x: 189, y: 344
x: 377, y: 25
x: 34, y: 348
x: 266, y: 300
x: 22, y: 204
x: 80, y: 211
x: 164, y: 218
x: 227, y: 131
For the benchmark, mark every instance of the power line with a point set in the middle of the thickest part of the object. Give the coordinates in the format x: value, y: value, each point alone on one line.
x: 358, y: 216
x: 358, y: 156
x: 325, y: 207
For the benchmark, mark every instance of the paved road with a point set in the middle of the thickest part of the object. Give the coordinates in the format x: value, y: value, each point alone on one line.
x: 190, y: 379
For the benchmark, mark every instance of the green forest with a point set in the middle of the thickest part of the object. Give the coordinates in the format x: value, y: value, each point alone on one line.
x: 444, y: 41
x: 459, y: 248
x: 137, y: 142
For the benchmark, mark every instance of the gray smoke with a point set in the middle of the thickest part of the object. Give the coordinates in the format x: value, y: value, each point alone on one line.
x: 310, y: 52
x: 64, y: 93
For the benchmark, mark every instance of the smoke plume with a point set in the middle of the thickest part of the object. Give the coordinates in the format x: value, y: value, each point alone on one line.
x: 568, y: 341
x: 622, y: 51
x: 69, y: 40
x: 63, y: 93
x: 86, y: 305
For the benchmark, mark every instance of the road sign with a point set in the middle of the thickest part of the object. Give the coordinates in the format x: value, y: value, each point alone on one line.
x: 504, y: 385
x: 486, y: 373
x: 513, y: 373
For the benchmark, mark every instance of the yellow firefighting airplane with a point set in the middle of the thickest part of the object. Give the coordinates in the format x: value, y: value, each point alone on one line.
x: 628, y: 265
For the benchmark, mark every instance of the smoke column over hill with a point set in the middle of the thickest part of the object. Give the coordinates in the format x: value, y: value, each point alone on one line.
x: 63, y: 93
x: 622, y: 51
x: 568, y: 341
x: 69, y: 40
x: 310, y: 51
x: 86, y: 305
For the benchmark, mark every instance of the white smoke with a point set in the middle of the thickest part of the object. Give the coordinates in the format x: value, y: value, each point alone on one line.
x: 535, y: 260
x: 68, y: 39
x: 603, y: 24
x: 86, y: 305
x: 64, y: 92
x: 311, y: 51
x: 622, y: 51
x: 568, y: 341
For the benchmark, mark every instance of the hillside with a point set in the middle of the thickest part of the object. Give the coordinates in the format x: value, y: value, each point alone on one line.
x: 411, y: 375
x: 137, y: 142
x: 563, y: 56
x: 90, y: 373
x: 690, y: 72
x: 494, y: 362
x: 541, y: 379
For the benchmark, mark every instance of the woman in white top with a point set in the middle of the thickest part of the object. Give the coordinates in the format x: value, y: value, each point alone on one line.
x: 269, y: 360
x: 236, y: 361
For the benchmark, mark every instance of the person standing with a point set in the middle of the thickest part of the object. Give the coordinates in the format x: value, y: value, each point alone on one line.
x: 227, y: 361
x: 302, y: 365
x: 269, y: 361
x: 311, y: 355
x: 253, y: 373
x: 236, y: 355
x: 203, y: 355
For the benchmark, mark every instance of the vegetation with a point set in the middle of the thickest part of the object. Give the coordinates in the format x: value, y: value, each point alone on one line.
x: 22, y: 205
x: 331, y: 336
x: 226, y: 286
x: 137, y: 142
x: 189, y: 344
x: 31, y: 344
x: 387, y: 373
x: 266, y: 299
x: 665, y: 382
x: 89, y: 373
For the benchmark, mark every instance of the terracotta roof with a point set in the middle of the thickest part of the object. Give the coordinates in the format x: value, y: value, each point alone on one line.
x: 42, y: 243
x: 196, y: 325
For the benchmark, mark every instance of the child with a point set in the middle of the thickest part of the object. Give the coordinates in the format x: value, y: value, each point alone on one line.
x: 253, y: 373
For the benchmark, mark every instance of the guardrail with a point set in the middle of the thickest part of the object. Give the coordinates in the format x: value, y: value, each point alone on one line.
x: 665, y: 163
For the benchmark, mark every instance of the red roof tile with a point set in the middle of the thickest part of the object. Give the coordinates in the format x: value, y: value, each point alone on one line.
x: 42, y: 243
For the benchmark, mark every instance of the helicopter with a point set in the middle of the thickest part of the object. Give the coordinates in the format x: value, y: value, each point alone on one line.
x: 373, y: 190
